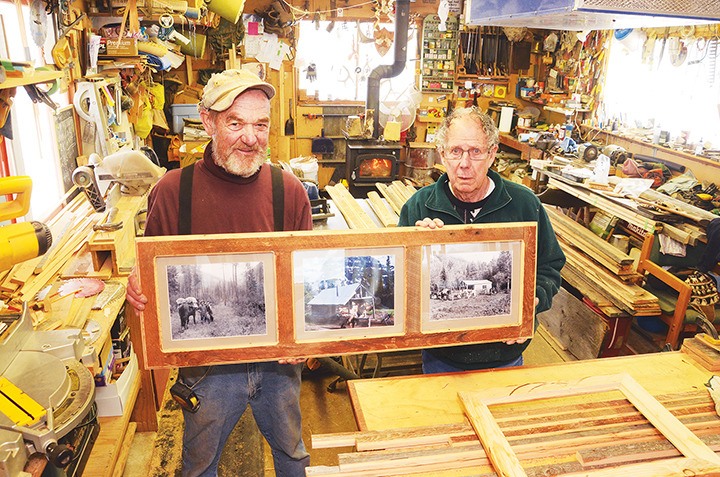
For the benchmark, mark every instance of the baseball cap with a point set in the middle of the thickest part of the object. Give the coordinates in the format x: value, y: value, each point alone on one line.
x: 222, y: 88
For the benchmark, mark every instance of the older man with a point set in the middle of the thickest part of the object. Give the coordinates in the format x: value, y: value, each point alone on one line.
x: 233, y: 189
x: 471, y: 193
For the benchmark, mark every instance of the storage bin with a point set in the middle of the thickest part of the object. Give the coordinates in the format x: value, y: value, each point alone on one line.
x: 180, y: 112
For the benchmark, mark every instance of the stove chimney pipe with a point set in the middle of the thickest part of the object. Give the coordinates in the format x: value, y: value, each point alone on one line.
x: 402, y: 12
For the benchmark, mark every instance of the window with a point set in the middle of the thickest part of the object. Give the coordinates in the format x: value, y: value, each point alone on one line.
x: 644, y: 89
x: 32, y: 150
x: 335, y: 61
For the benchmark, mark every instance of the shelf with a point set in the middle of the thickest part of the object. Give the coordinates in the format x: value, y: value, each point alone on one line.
x: 442, y: 79
x: 35, y: 78
x: 426, y: 119
x: 565, y: 111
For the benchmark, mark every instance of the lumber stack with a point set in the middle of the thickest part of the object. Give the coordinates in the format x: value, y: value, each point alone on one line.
x: 704, y: 349
x: 574, y: 235
x: 69, y: 230
x: 386, y: 216
x: 619, y: 207
x: 568, y: 436
x: 600, y: 271
x: 627, y: 296
x: 354, y: 215
x: 396, y: 194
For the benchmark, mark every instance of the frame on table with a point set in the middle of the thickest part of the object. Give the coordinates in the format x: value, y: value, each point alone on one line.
x: 268, y: 296
x: 697, y: 456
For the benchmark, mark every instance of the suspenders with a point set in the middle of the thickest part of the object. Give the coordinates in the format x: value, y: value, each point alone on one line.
x: 185, y: 202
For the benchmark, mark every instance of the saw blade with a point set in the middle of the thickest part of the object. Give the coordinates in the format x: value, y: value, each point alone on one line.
x: 81, y: 287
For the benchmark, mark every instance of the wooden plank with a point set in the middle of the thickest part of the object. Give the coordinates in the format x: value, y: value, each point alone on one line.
x: 124, y: 450
x: 661, y: 468
x: 354, y: 215
x: 386, y: 216
x: 391, y: 196
x: 494, y: 442
x: 588, y: 238
x: 379, y: 438
x: 625, y: 453
x: 579, y: 329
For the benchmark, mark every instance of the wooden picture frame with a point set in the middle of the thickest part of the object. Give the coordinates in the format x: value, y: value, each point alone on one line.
x: 697, y: 456
x: 275, y: 319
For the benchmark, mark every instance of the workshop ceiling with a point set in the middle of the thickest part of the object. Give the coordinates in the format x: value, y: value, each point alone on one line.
x: 579, y: 15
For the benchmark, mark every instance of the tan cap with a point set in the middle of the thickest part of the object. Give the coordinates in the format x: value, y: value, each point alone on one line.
x: 223, y: 88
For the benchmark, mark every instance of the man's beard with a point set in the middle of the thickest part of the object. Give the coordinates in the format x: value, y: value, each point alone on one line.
x: 242, y: 168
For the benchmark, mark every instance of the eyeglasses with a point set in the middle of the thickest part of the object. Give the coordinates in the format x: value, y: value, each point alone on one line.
x: 474, y: 153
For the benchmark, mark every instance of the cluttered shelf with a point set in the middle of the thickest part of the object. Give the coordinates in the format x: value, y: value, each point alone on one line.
x: 35, y: 77
x: 643, y: 146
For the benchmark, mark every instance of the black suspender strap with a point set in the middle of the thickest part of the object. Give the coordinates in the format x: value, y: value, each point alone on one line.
x: 278, y: 194
x: 185, y: 210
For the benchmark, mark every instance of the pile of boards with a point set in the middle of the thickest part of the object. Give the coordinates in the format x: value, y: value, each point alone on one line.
x: 704, y: 349
x: 601, y: 271
x: 77, y: 252
x: 386, y: 212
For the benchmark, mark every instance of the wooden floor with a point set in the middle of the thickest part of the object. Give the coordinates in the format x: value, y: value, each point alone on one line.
x: 323, y: 411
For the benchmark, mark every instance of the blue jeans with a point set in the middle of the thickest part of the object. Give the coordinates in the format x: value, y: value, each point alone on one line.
x: 273, y: 392
x: 432, y: 365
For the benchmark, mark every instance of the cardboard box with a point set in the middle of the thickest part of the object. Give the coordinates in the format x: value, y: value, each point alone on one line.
x: 112, y: 399
x: 115, y: 47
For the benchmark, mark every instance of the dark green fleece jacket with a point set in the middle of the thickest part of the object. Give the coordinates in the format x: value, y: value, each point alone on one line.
x: 508, y: 202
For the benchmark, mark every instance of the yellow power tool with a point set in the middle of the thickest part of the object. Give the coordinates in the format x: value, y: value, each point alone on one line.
x: 25, y: 240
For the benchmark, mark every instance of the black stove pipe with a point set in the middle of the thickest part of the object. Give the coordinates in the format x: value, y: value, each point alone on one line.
x: 402, y: 14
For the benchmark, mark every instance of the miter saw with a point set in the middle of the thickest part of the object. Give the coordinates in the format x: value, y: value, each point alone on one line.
x: 103, y: 180
x: 45, y: 393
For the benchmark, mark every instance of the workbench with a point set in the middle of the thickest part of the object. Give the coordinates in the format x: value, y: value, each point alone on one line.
x: 526, y: 151
x: 423, y: 401
x: 429, y: 400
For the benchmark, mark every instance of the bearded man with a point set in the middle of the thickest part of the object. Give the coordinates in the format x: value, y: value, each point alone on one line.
x: 233, y: 189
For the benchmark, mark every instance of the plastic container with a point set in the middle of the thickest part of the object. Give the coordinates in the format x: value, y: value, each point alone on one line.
x: 180, y: 112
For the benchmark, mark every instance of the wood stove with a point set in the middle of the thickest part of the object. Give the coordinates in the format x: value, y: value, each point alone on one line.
x: 368, y: 162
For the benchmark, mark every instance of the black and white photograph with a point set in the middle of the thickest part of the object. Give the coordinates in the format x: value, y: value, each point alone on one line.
x: 348, y: 292
x: 217, y: 299
x: 472, y: 284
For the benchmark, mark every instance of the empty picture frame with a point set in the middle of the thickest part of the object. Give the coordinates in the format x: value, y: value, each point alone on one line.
x: 234, y: 298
